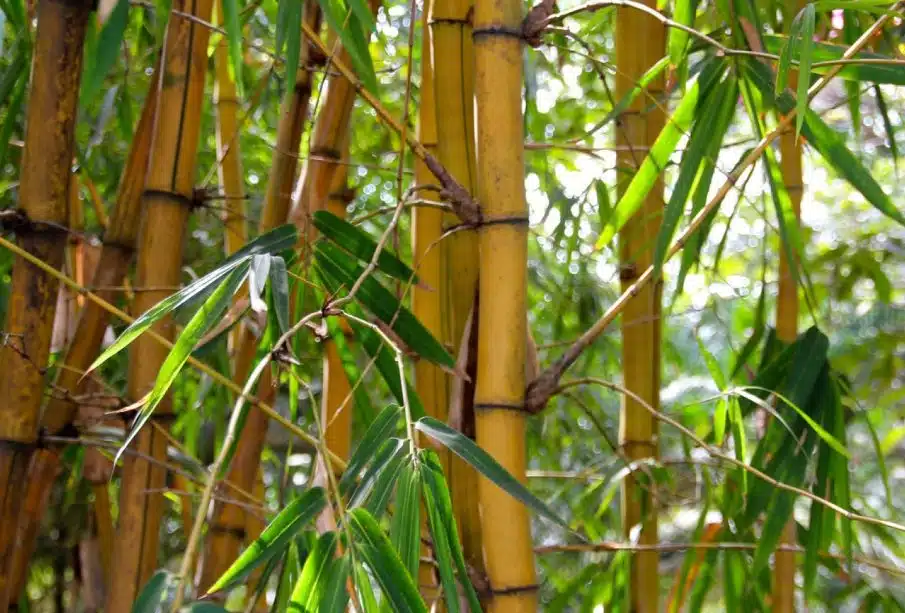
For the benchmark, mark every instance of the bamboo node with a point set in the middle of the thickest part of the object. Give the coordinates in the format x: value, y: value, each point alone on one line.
x: 515, y: 589
x: 497, y: 406
x: 498, y: 30
x: 17, y: 221
x: 505, y: 220
x: 235, y: 531
x: 467, y: 208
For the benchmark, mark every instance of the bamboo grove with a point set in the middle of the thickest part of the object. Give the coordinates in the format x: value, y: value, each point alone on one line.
x: 327, y: 305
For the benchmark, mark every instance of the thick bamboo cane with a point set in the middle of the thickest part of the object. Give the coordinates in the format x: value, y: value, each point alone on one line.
x: 451, y: 38
x: 640, y: 42
x: 113, y: 263
x: 44, y: 198
x: 502, y: 328
x: 167, y: 201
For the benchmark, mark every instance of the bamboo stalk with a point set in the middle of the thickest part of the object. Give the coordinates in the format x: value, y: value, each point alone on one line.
x: 229, y: 157
x: 787, y: 331
x: 451, y: 38
x: 640, y: 42
x: 431, y: 382
x: 228, y: 525
x: 502, y: 328
x: 167, y: 201
x: 113, y: 263
x: 44, y: 197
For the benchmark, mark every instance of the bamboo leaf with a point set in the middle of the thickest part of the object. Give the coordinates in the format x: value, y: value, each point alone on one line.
x: 234, y: 41
x: 314, y: 590
x: 279, y: 287
x: 386, y: 459
x: 383, y: 427
x: 879, y: 73
x: 677, y: 43
x: 295, y: 516
x: 658, y: 157
x: 105, y: 52
x: 357, y: 242
x: 887, y: 125
x: 276, y: 240
x: 713, y: 118
x: 831, y: 146
x: 293, y: 31
x: 484, y: 463
x: 204, y: 319
x: 154, y: 594
x: 382, y: 303
x: 405, y: 527
x: 443, y: 529
x: 343, y: 20
x: 808, y: 19
x: 377, y: 552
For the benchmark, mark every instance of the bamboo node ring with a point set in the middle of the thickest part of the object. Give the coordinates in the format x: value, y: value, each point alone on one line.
x: 515, y: 589
x: 516, y: 33
x: 496, y: 406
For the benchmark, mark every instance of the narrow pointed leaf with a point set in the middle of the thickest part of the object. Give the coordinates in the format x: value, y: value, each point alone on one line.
x: 484, y: 463
x: 405, y: 527
x: 808, y: 17
x: 279, y: 287
x: 233, y: 41
x: 106, y: 51
x: 385, y: 425
x: 274, y: 241
x: 289, y: 522
x: 360, y: 244
x: 154, y: 593
x: 377, y: 551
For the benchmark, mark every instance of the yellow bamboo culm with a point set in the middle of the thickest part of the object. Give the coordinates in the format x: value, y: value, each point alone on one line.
x: 229, y: 156
x: 229, y: 523
x: 43, y: 196
x: 454, y: 82
x: 167, y: 201
x: 431, y: 383
x: 502, y: 327
x: 787, y: 330
x: 640, y: 42
x: 113, y: 263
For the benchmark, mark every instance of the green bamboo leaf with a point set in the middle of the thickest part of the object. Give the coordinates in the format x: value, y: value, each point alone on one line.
x: 405, y: 526
x: 343, y: 20
x: 712, y: 120
x: 357, y: 242
x: 315, y: 590
x: 105, y: 53
x: 808, y: 19
x: 293, y: 28
x: 784, y: 68
x: 484, y: 463
x: 887, y: 124
x: 677, y: 42
x: 384, y: 482
x: 378, y: 553
x: 713, y: 366
x: 384, y: 426
x: 734, y: 580
x: 274, y: 241
x: 204, y: 319
x: 641, y: 85
x: 234, y: 41
x: 387, y: 459
x: 155, y: 594
x: 658, y: 157
x: 338, y: 265
x: 295, y: 516
x: 879, y: 73
x: 445, y: 533
x: 364, y: 589
x: 289, y: 576
x: 279, y: 287
x: 830, y: 145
